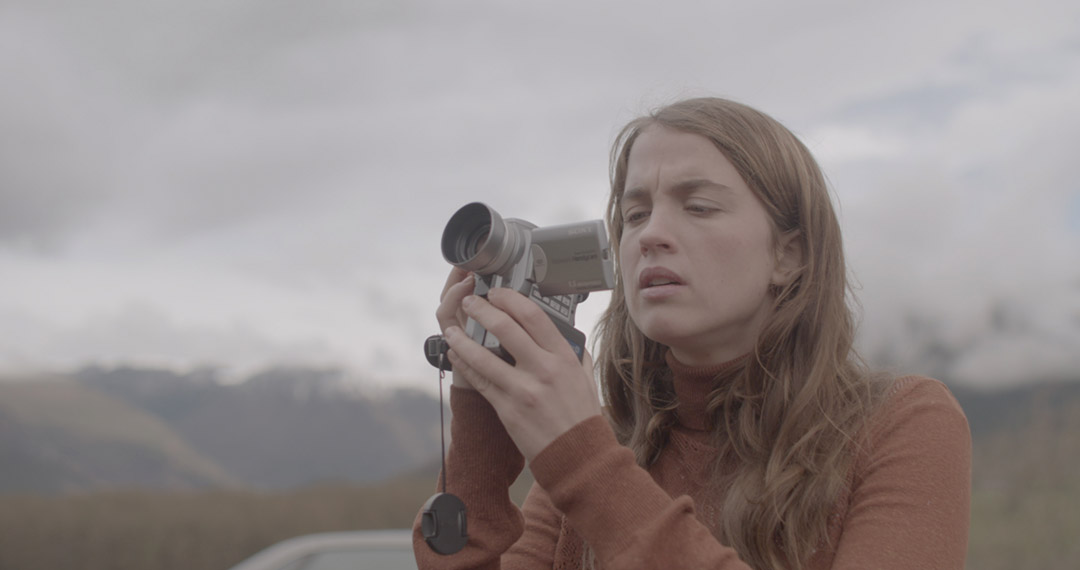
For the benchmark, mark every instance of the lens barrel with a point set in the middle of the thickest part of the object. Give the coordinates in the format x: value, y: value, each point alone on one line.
x: 477, y: 239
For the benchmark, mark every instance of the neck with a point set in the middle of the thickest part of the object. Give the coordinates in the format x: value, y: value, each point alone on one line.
x: 708, y: 356
x: 693, y: 384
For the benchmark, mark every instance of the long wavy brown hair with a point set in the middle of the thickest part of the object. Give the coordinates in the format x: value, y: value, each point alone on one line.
x: 789, y: 418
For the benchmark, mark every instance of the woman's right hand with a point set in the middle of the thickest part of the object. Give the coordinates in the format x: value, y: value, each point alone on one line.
x: 459, y: 284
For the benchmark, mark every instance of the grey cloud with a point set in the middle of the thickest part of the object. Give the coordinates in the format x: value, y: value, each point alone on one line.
x: 52, y: 175
x: 316, y: 150
x: 974, y: 220
x: 142, y: 333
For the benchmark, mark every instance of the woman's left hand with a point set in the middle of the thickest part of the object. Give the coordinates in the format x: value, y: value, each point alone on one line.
x: 547, y: 392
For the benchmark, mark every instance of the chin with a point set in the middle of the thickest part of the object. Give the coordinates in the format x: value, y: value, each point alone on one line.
x: 662, y: 331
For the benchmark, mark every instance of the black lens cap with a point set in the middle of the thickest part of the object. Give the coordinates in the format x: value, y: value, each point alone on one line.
x: 435, y: 348
x: 443, y: 523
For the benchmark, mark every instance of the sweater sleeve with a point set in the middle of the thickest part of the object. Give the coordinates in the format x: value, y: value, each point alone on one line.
x: 627, y: 533
x: 619, y: 510
x: 909, y: 506
x: 910, y: 500
x: 543, y: 524
x: 481, y: 464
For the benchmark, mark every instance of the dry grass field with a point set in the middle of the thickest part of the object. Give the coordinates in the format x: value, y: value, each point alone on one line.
x: 1025, y: 509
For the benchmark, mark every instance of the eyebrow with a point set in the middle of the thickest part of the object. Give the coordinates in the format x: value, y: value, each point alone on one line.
x: 682, y: 188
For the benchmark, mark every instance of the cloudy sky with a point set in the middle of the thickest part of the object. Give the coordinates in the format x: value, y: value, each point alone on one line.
x: 261, y: 182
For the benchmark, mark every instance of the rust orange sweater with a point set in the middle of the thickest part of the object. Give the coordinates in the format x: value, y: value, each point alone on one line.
x: 906, y: 504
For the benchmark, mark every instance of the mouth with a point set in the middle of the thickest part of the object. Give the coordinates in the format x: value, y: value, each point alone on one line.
x: 658, y: 277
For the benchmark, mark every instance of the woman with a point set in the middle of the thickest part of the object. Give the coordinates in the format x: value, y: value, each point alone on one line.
x: 739, y: 430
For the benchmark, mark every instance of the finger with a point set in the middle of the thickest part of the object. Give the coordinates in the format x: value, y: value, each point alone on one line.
x: 505, y: 327
x: 463, y: 376
x: 450, y: 312
x: 531, y: 318
x: 457, y: 275
x: 587, y: 363
x: 590, y: 370
x: 487, y: 373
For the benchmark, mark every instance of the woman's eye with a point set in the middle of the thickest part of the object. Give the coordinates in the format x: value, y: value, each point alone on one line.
x: 635, y: 216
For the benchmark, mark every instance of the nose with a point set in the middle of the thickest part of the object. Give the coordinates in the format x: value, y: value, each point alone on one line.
x: 656, y: 235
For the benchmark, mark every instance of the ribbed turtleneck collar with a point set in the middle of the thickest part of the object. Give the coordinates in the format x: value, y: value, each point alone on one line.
x: 694, y: 383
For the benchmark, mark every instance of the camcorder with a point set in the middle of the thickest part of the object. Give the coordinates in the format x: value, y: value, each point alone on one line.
x: 555, y: 266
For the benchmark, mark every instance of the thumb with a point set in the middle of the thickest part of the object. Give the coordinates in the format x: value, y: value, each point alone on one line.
x: 590, y: 370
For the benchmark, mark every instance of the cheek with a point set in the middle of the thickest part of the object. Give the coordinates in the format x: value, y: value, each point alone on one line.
x: 625, y: 261
x: 739, y: 259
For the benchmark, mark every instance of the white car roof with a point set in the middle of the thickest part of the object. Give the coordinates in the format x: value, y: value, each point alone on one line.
x: 293, y: 549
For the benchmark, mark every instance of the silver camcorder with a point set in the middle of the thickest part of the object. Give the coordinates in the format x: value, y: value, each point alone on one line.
x: 555, y: 266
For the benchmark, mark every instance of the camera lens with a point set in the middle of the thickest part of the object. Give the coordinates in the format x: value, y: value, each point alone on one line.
x: 473, y: 242
x: 476, y: 238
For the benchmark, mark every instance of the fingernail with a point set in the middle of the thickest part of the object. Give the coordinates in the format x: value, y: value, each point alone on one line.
x: 452, y: 332
x: 468, y: 301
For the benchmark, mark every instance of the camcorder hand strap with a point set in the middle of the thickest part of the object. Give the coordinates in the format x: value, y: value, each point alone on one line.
x: 443, y: 521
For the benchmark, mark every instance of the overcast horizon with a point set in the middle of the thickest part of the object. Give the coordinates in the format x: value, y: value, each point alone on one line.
x: 249, y: 183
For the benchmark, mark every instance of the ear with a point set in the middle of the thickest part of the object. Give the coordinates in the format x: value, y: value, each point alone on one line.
x: 789, y: 258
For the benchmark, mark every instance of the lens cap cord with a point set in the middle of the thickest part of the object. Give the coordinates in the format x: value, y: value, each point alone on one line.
x: 443, y: 520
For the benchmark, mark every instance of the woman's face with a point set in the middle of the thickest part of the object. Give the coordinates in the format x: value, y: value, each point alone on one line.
x: 697, y: 253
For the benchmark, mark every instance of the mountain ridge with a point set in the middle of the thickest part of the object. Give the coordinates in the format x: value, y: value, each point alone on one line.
x: 281, y: 428
x: 100, y: 428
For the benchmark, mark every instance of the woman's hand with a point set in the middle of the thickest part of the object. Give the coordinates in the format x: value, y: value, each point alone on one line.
x: 546, y: 392
x: 459, y: 284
